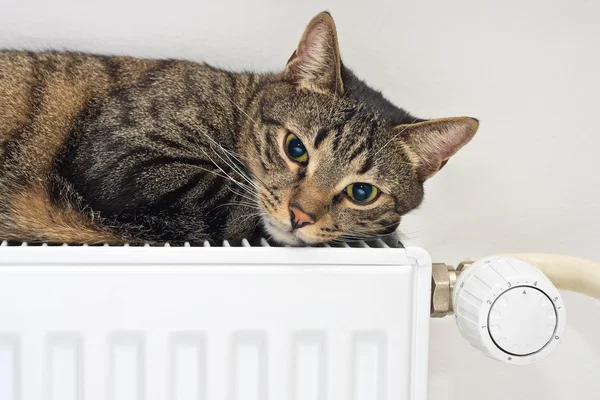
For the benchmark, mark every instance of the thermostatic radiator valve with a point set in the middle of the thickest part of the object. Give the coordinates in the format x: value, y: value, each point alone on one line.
x: 503, y: 306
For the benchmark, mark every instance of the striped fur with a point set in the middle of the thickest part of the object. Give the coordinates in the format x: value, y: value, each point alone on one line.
x: 117, y: 149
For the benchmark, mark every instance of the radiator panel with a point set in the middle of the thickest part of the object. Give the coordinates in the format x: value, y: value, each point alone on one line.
x: 250, y: 328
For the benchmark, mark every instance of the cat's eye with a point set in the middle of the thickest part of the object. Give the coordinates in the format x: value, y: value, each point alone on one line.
x: 362, y: 193
x: 295, y: 149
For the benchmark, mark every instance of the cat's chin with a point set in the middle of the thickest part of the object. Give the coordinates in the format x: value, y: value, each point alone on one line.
x: 283, y: 235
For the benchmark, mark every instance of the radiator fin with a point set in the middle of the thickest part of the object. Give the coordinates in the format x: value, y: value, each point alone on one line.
x: 188, y: 366
x: 9, y: 368
x: 249, y: 366
x: 126, y: 368
x: 309, y: 368
x: 369, y: 366
x: 64, y: 367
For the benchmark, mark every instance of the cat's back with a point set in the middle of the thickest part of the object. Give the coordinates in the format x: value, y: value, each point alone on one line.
x: 41, y: 95
x: 34, y: 83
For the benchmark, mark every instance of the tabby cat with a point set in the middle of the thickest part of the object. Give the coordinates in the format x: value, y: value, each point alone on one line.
x: 102, y: 149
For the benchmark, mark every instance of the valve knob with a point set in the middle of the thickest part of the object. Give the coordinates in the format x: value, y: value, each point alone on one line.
x: 509, y: 309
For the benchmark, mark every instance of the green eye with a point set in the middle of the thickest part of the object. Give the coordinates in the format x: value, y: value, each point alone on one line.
x: 295, y: 149
x: 362, y: 193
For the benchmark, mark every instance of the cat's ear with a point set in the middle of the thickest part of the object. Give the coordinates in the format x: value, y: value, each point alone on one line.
x: 431, y: 143
x: 316, y: 63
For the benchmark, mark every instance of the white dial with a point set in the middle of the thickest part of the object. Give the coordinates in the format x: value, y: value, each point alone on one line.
x: 509, y: 309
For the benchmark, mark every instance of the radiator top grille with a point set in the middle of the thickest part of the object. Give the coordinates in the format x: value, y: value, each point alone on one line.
x: 388, y: 242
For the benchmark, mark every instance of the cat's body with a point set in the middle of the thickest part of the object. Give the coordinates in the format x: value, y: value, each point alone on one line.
x: 115, y: 149
x: 150, y: 142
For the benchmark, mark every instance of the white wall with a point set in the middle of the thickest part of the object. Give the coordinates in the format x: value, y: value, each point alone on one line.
x: 529, y: 70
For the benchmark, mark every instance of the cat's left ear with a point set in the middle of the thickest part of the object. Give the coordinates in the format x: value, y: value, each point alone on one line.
x: 316, y: 63
x: 431, y: 143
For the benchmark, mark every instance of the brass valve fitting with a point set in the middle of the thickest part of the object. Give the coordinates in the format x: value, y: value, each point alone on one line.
x: 443, y: 278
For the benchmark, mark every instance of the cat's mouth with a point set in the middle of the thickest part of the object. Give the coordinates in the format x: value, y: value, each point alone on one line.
x: 284, y: 234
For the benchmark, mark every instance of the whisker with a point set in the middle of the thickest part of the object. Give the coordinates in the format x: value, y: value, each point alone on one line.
x: 246, y: 205
x: 254, y: 215
x: 238, y: 170
x: 251, y: 199
x: 229, y: 154
x: 240, y: 184
x: 237, y: 106
x: 394, y: 138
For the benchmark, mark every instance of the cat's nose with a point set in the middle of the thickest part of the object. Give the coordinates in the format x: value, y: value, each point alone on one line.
x: 299, y: 217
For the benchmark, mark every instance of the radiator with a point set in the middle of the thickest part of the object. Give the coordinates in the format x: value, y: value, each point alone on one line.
x: 214, y: 323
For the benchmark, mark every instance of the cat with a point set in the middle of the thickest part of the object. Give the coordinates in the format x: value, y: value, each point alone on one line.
x: 109, y: 149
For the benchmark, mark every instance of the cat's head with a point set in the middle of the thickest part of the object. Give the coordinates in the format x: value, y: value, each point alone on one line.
x: 333, y: 159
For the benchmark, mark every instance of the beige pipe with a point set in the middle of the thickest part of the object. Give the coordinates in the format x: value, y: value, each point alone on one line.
x: 565, y: 272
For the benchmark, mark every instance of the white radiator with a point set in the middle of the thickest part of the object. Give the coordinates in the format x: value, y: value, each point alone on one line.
x: 214, y: 323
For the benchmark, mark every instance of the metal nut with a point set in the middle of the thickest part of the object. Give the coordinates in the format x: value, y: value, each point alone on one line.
x: 441, y: 304
x: 443, y: 278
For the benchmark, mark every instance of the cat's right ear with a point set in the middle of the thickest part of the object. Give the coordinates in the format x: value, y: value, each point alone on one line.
x: 316, y: 63
x: 431, y: 143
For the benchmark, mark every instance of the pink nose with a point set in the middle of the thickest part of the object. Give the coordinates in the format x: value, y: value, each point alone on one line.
x: 300, y: 218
